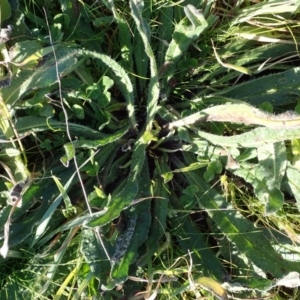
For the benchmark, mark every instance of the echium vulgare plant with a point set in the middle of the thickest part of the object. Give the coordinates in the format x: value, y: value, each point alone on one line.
x: 150, y: 149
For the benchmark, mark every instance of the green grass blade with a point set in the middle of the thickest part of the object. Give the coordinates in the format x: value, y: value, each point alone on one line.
x: 254, y: 58
x: 5, y: 121
x: 270, y: 7
x: 212, y: 286
x: 63, y: 193
x: 79, y: 221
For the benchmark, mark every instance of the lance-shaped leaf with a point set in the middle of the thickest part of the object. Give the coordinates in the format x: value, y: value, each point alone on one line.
x: 121, y: 79
x: 144, y: 31
x: 249, y: 240
x: 43, y: 76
